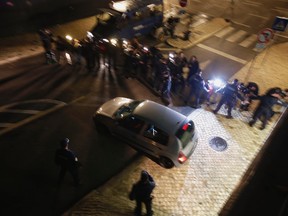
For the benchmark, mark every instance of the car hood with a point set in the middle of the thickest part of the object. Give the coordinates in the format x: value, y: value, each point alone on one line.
x: 110, y: 107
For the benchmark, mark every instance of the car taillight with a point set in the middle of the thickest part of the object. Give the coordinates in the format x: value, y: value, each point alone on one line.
x: 182, y: 158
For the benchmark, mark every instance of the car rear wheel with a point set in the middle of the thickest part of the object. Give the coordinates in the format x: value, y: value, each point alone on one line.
x: 166, y: 162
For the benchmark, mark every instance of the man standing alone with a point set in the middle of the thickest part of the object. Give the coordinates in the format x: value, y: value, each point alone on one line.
x: 67, y: 161
x: 141, y: 192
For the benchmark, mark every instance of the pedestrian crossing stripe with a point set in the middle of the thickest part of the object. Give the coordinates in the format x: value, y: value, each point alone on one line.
x: 249, y: 41
x: 225, y: 32
x: 237, y: 36
x: 240, y: 36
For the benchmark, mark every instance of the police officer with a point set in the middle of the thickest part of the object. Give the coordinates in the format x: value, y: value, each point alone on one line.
x: 197, y: 85
x: 229, y: 97
x: 141, y: 192
x: 160, y: 68
x: 264, y: 109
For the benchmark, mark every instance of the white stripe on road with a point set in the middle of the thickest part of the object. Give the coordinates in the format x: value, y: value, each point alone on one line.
x: 249, y: 41
x: 256, y: 15
x: 256, y: 4
x: 280, y: 9
x: 222, y: 54
x: 237, y: 36
x: 279, y: 35
x: 32, y: 112
x: 224, y: 32
x: 242, y: 24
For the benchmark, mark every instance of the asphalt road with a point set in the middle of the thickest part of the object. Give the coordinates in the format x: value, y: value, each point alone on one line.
x: 29, y: 184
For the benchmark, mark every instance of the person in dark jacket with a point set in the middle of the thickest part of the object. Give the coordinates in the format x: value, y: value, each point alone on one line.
x: 197, y: 86
x: 67, y: 161
x: 141, y: 192
x: 265, y: 107
x: 46, y: 37
x: 250, y: 92
x: 229, y: 97
x: 193, y: 66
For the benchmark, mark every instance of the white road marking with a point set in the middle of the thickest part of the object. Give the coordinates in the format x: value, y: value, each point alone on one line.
x: 237, y: 36
x: 249, y: 41
x: 256, y: 4
x: 256, y: 15
x: 222, y: 54
x: 36, y: 114
x: 280, y: 9
x: 32, y: 112
x: 279, y: 35
x: 242, y: 24
x: 225, y: 32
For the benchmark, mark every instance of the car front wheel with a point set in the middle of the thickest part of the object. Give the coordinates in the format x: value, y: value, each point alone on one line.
x: 166, y: 162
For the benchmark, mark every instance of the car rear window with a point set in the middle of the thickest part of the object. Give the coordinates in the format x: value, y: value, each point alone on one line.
x: 186, y: 132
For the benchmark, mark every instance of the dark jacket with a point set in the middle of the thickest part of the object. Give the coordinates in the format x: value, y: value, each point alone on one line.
x: 65, y: 157
x: 230, y: 92
x: 143, y: 188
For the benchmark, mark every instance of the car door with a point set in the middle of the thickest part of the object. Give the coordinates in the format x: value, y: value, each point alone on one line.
x: 129, y: 129
x: 154, y: 139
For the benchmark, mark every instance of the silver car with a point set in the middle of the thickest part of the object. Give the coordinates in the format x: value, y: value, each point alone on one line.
x: 149, y: 127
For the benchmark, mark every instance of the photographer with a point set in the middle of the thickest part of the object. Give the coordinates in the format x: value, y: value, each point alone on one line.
x: 250, y: 92
x: 264, y: 111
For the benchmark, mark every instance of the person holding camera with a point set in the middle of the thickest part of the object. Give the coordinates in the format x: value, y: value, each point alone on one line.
x: 250, y: 92
x: 141, y: 193
x: 67, y: 161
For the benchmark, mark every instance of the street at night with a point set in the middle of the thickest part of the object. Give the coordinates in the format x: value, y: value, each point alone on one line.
x: 236, y: 169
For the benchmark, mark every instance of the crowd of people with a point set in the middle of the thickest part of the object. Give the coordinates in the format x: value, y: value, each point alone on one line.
x: 88, y: 51
x: 173, y: 74
x: 181, y: 76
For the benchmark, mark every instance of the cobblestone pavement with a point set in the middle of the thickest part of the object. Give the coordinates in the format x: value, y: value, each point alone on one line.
x: 200, y: 187
x: 205, y: 183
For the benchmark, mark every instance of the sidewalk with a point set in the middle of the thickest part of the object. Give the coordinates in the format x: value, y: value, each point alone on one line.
x: 205, y: 183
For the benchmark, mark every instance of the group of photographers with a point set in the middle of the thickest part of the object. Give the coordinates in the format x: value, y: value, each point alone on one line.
x: 175, y: 73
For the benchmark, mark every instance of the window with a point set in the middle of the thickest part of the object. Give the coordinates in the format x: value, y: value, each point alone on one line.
x: 186, y: 132
x: 132, y: 123
x: 156, y: 134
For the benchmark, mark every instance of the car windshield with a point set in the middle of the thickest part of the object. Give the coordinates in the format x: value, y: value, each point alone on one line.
x: 186, y: 132
x: 126, y: 109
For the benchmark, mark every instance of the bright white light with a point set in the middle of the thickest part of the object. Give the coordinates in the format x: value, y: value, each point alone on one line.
x: 68, y: 37
x: 106, y: 40
x: 171, y: 55
x: 145, y: 49
x: 219, y: 83
x: 89, y: 34
x: 68, y: 57
x: 113, y: 41
x: 120, y: 6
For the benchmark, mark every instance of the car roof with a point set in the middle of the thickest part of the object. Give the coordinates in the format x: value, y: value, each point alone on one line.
x: 167, y: 119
